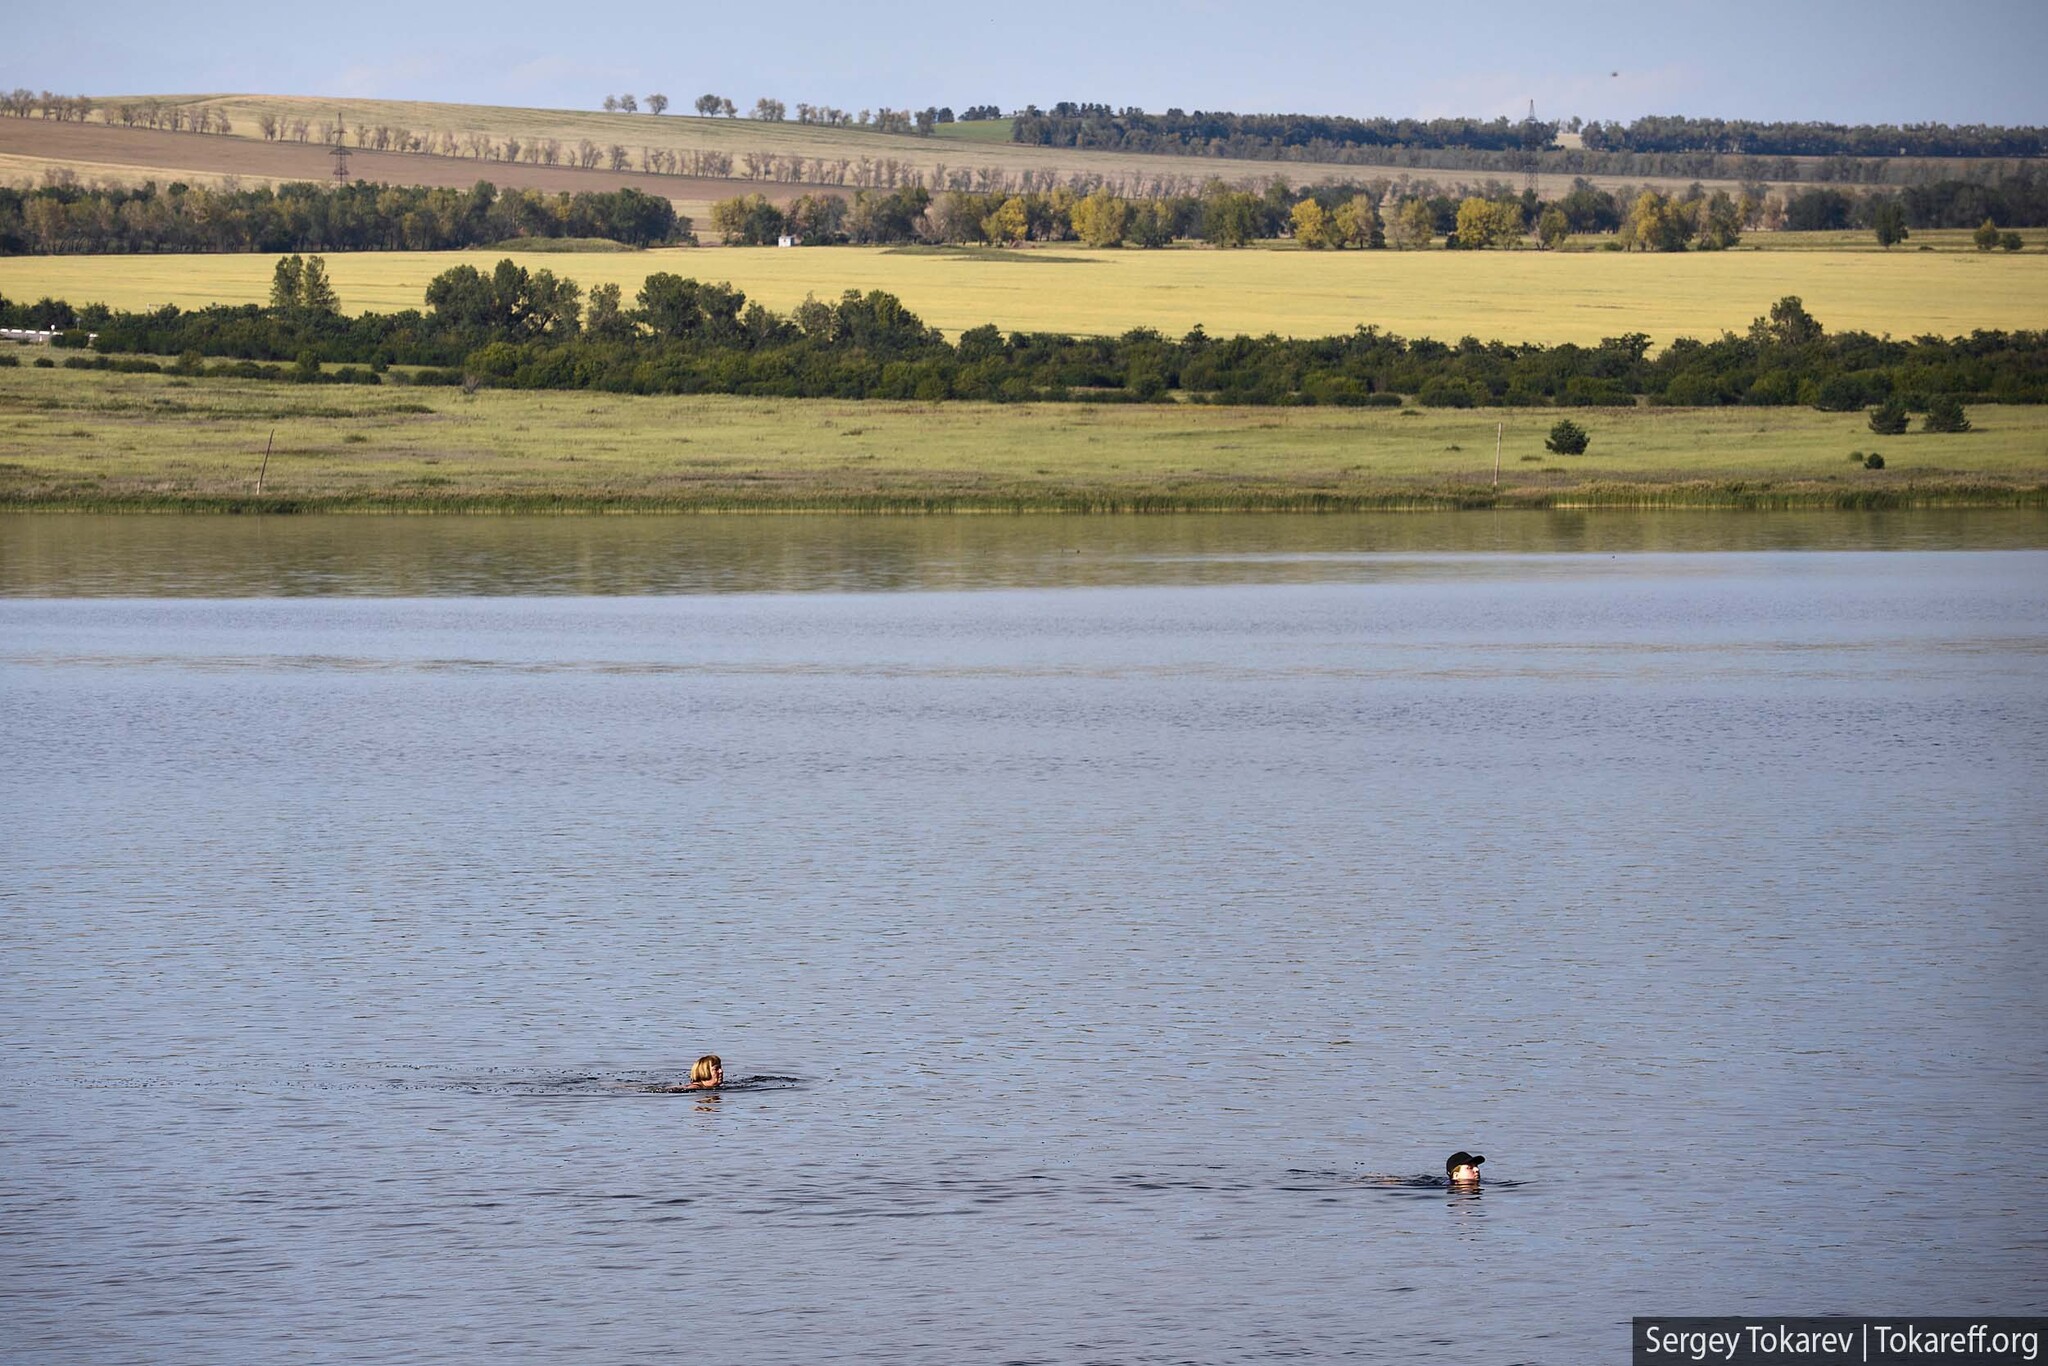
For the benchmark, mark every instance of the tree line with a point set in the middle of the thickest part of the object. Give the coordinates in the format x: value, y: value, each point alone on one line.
x: 58, y: 219
x: 535, y: 330
x: 1215, y: 133
x: 768, y: 109
x: 1368, y: 214
x: 1749, y: 137
x: 1403, y: 214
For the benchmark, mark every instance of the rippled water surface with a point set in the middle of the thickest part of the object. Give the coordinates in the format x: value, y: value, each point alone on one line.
x: 1110, y: 953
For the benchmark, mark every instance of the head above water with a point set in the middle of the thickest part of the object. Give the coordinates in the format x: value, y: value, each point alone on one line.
x: 708, y: 1070
x: 1463, y: 1168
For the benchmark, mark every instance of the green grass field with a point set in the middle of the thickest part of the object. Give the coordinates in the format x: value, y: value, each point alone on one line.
x: 1509, y: 296
x: 996, y: 131
x: 84, y: 440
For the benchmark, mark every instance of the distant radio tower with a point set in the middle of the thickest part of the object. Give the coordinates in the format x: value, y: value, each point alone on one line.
x: 340, y: 155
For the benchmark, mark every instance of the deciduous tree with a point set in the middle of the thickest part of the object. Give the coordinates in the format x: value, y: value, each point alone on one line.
x: 1414, y: 225
x: 1230, y: 218
x: 1311, y: 225
x: 657, y: 104
x: 1151, y: 224
x: 748, y: 220
x: 1719, y: 222
x: 1008, y: 224
x: 1101, y: 219
x: 605, y: 319
x: 1356, y: 223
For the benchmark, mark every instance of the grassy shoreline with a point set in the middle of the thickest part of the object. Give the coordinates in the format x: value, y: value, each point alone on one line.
x: 83, y: 441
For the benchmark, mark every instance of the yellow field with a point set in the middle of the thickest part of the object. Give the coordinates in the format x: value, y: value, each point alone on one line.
x: 1510, y: 296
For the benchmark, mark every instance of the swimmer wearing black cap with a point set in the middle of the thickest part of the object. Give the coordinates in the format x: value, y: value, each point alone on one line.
x: 1462, y: 1168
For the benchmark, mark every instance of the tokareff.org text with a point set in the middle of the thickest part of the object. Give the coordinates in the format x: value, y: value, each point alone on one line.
x: 1888, y: 1341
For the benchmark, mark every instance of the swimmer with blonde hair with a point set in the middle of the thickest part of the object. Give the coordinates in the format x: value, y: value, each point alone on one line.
x: 707, y: 1075
x: 1462, y: 1168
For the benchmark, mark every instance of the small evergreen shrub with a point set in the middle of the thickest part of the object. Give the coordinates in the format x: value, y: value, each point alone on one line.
x: 1889, y: 418
x: 1567, y: 438
x: 1945, y: 414
x: 1873, y: 461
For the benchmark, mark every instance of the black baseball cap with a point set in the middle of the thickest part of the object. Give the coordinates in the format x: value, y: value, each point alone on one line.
x: 1459, y: 1159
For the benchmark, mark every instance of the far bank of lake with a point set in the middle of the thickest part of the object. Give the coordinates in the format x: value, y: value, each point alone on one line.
x: 94, y: 441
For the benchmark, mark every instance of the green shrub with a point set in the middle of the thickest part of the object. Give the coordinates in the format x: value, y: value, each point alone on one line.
x: 1873, y: 461
x: 1584, y: 391
x: 1441, y: 393
x: 1945, y: 414
x: 1839, y: 394
x: 2010, y: 241
x: 1889, y: 417
x: 9, y: 361
x: 1567, y: 438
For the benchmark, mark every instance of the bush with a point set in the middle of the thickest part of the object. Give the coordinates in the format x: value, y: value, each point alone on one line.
x: 1567, y: 438
x: 1889, y: 418
x: 1692, y: 389
x: 1873, y: 461
x: 45, y: 363
x: 1441, y: 393
x: 1839, y: 394
x: 1945, y: 414
x: 2010, y: 241
x: 9, y: 362
x: 1584, y: 391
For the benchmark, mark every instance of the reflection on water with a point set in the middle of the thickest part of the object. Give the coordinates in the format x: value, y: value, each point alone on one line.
x: 223, y: 556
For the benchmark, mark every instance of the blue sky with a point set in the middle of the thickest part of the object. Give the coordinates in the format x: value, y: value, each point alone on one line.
x: 1867, y: 61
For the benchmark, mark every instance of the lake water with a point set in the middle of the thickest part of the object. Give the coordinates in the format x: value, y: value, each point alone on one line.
x: 1143, y: 909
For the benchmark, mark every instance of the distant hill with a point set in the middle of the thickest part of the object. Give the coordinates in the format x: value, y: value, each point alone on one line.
x: 694, y: 161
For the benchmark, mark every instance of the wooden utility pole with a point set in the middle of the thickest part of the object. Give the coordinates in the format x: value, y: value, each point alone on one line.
x: 264, y: 468
x: 1498, y: 428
